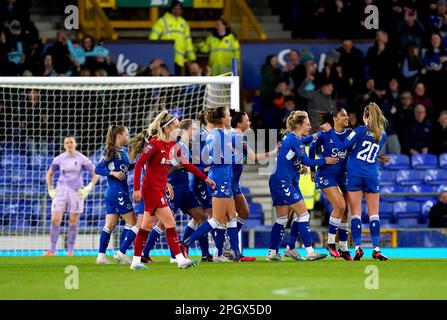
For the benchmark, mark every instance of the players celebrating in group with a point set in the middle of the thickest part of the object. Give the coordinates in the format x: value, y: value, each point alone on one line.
x: 212, y: 196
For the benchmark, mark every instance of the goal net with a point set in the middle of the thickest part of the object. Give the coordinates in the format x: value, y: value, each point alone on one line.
x: 36, y: 113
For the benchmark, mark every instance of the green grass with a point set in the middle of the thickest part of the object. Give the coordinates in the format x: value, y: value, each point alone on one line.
x: 44, y: 278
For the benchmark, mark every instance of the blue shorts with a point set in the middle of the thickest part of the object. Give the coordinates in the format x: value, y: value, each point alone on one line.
x: 200, y: 190
x: 139, y: 207
x: 119, y: 203
x: 323, y: 181
x: 284, y: 193
x: 369, y: 185
x: 223, y: 190
x: 184, y: 199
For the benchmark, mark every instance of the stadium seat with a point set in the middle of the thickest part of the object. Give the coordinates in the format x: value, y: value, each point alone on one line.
x: 421, y: 189
x: 424, y: 161
x: 407, y: 213
x: 435, y: 176
x: 398, y: 162
x: 443, y: 161
x: 387, y: 192
x: 256, y: 210
x: 13, y: 161
x: 409, y: 177
x: 253, y: 222
x: 425, y: 210
x: 386, y: 212
x: 441, y: 188
x: 387, y: 178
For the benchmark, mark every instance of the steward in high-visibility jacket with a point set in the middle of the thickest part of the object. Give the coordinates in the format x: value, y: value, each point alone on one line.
x: 222, y: 49
x: 171, y: 27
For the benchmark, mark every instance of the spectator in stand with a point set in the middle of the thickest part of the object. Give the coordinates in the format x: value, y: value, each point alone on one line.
x: 389, y: 105
x: 303, y: 69
x: 380, y: 60
x: 292, y: 62
x: 438, y: 22
x: 419, y: 97
x: 438, y: 213
x: 352, y: 64
x: 410, y: 29
x: 411, y: 65
x: 222, y: 46
x: 406, y: 107
x: 353, y: 120
x: 419, y: 137
x: 273, y: 115
x: 153, y: 69
x: 14, y: 10
x: 48, y: 67
x: 332, y: 72
x: 60, y: 54
x: 15, y: 47
x: 164, y: 70
x: 440, y: 134
x: 270, y: 75
x: 289, y: 107
x: 435, y: 57
x: 319, y: 102
x: 173, y: 27
x: 195, y: 70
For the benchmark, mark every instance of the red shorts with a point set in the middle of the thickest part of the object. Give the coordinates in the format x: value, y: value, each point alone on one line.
x: 153, y: 199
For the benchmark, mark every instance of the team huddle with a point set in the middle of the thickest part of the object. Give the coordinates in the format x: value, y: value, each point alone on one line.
x: 214, y: 154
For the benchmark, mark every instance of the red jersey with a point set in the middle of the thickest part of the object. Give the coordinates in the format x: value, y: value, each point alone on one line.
x: 158, y: 155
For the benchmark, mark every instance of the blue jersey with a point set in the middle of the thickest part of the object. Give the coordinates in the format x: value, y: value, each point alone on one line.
x: 119, y: 163
x: 180, y: 176
x: 240, y: 154
x: 198, y: 157
x: 363, y: 159
x: 289, y: 158
x: 329, y: 149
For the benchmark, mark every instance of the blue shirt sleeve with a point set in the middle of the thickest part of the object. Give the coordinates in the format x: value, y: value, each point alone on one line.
x: 305, y: 159
x: 102, y: 167
x: 348, y: 142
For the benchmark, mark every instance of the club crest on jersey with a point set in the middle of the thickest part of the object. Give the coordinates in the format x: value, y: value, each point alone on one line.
x: 296, y: 196
x: 148, y: 148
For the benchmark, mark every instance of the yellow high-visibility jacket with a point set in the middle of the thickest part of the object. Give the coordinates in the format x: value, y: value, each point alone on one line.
x: 222, y: 51
x: 169, y: 27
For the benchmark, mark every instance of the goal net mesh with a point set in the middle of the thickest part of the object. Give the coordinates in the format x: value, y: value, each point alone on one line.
x: 34, y: 118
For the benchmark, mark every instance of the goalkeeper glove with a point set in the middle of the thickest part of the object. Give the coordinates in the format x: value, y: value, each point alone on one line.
x: 83, y: 192
x: 52, y: 191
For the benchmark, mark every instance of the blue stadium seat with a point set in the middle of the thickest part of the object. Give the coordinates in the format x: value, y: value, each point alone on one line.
x: 389, y: 190
x: 407, y: 213
x: 425, y: 210
x: 13, y: 161
x: 398, y: 162
x: 40, y: 162
x: 421, y: 189
x: 253, y: 222
x: 441, y: 188
x: 387, y: 178
x: 245, y: 190
x: 386, y: 212
x: 435, y: 176
x: 424, y: 161
x: 443, y: 161
x: 409, y: 177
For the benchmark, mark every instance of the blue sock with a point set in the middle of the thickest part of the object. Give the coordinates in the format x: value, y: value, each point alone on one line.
x: 277, y: 233
x: 233, y: 235
x: 304, y: 229
x: 189, y: 230
x: 124, y: 233
x: 240, y: 224
x: 154, y: 236
x: 293, y: 234
x: 104, y: 240
x: 356, y: 229
x: 204, y: 245
x: 220, y: 239
x: 374, y: 229
x: 204, y: 228
x: 131, y: 234
x: 343, y: 232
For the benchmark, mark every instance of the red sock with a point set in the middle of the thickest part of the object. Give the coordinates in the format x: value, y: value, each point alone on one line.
x: 140, y: 242
x: 173, y: 241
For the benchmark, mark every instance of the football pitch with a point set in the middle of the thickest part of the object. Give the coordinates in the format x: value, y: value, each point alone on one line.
x: 47, y: 278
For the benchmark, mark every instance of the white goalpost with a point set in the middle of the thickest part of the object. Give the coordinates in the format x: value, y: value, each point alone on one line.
x: 37, y: 112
